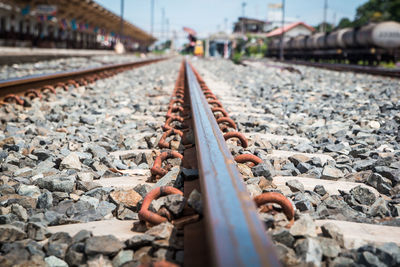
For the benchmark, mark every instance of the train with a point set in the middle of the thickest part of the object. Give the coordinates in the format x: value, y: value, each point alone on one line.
x: 371, y: 44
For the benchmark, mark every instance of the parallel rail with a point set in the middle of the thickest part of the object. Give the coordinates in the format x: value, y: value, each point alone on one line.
x: 350, y: 68
x: 18, y: 85
x: 235, y: 233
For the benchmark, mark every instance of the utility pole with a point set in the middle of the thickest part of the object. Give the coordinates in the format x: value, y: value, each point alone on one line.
x: 152, y: 17
x: 281, y: 52
x: 243, y: 14
x: 323, y: 28
x: 167, y: 26
x: 162, y: 23
x: 121, y: 29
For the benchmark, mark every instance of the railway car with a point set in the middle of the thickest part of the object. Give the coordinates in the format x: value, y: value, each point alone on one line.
x: 370, y: 44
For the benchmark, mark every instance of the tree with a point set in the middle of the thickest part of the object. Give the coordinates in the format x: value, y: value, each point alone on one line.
x: 377, y: 10
x: 328, y: 27
x: 344, y: 23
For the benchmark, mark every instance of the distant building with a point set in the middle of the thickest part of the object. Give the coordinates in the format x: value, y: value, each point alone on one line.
x: 291, y: 30
x: 250, y: 26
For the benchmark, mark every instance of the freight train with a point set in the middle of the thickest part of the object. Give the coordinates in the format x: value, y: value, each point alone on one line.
x: 370, y: 44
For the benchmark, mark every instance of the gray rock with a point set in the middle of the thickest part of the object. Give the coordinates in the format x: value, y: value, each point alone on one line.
x: 20, y: 212
x: 29, y: 190
x: 9, y: 233
x: 175, y: 204
x: 363, y: 195
x: 389, y: 253
x: 105, y: 208
x: 45, y: 200
x: 295, y: 186
x: 23, y: 172
x: 5, y: 189
x: 161, y: 231
x: 331, y: 173
x: 75, y: 255
x: 283, y: 236
x: 122, y: 257
x: 81, y: 236
x: 309, y: 251
x: 87, y: 119
x: 195, y: 201
x: 189, y: 174
x: 71, y: 162
x: 320, y: 190
x: 332, y: 231
x: 304, y: 205
x: 329, y: 247
x: 303, y: 167
x: 126, y: 214
x: 139, y: 241
x: 37, y: 231
x: 342, y: 262
x: 42, y: 154
x: 58, y: 244
x: 97, y: 151
x: 142, y: 189
x: 304, y: 226
x: 253, y: 189
x: 169, y: 178
x: 99, y: 260
x: 85, y: 176
x: 379, y: 208
x: 264, y: 169
x: 53, y: 261
x: 363, y: 165
x: 106, y: 245
x: 371, y: 260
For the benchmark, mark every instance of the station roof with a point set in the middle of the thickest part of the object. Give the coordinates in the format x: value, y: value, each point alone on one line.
x: 88, y: 11
x: 287, y: 28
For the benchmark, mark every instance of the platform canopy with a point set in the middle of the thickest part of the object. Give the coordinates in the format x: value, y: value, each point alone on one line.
x: 88, y: 12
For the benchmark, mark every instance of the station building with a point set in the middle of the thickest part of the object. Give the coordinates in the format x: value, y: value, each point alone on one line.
x: 80, y: 24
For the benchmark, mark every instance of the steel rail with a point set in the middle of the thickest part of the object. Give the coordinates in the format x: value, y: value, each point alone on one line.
x: 235, y: 232
x: 16, y: 85
x: 345, y: 67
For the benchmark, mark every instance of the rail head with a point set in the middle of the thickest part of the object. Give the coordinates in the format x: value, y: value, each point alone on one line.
x: 15, y: 84
x: 236, y: 234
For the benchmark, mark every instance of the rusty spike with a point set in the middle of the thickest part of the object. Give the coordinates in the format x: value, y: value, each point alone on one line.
x: 162, y: 143
x: 170, y: 120
x: 222, y: 110
x: 248, y: 158
x: 31, y: 93
x: 157, y: 170
x: 74, y: 83
x: 62, y: 85
x: 17, y: 99
x: 243, y: 140
x: 227, y: 120
x: 274, y: 197
x: 49, y: 88
x: 215, y: 102
x: 149, y: 216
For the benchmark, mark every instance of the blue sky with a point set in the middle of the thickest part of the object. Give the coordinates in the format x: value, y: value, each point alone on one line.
x: 207, y: 16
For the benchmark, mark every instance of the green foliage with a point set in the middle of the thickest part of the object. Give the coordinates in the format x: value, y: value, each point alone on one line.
x: 344, y: 23
x: 373, y: 11
x: 237, y: 57
x: 328, y: 27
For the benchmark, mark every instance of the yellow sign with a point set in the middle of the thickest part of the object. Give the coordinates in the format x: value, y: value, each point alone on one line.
x: 275, y: 6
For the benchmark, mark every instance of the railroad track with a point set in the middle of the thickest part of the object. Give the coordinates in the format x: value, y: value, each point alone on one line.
x: 346, y: 67
x: 16, y: 89
x: 207, y: 177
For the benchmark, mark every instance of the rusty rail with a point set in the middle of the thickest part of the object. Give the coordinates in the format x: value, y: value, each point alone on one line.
x: 235, y: 233
x: 350, y: 68
x: 18, y: 85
